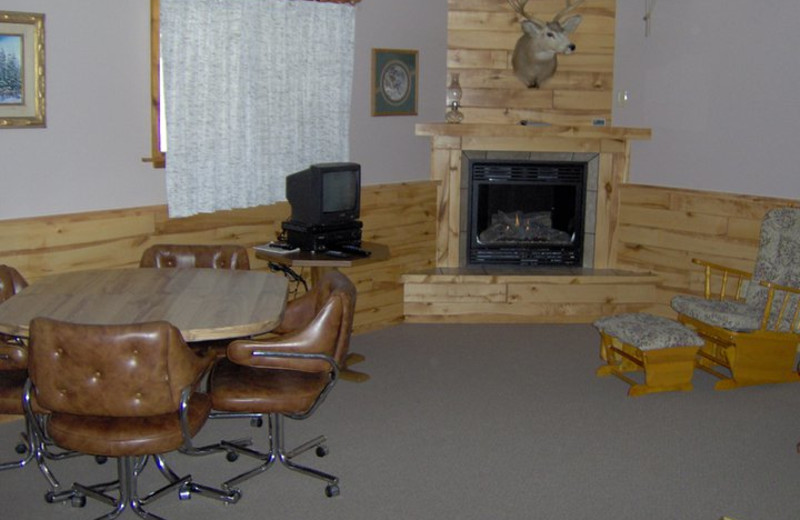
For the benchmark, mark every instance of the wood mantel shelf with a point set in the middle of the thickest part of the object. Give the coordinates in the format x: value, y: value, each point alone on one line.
x: 533, y: 131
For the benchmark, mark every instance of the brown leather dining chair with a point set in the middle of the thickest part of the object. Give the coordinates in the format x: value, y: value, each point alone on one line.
x: 288, y: 375
x: 13, y: 368
x: 122, y: 391
x: 225, y: 256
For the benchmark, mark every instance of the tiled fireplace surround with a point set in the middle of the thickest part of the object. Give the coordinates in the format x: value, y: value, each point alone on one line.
x: 452, y: 292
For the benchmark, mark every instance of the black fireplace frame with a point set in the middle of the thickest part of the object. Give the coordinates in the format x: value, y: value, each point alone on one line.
x: 515, y: 174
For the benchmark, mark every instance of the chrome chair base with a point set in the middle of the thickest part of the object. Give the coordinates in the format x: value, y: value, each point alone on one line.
x: 278, y: 453
x: 128, y: 469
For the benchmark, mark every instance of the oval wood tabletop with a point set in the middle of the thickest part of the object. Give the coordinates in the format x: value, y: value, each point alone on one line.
x: 205, y: 304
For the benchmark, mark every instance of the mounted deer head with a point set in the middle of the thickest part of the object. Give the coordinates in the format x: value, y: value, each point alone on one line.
x: 535, y: 55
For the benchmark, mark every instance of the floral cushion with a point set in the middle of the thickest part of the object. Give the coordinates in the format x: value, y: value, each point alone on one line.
x: 731, y: 315
x: 778, y: 253
x: 648, y: 332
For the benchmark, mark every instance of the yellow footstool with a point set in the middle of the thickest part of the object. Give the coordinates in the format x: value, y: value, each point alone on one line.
x: 663, y: 349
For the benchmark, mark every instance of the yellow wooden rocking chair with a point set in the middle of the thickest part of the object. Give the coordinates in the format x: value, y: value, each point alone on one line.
x: 751, y: 321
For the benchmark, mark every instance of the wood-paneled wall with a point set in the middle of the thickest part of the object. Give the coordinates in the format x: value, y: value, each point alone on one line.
x: 662, y: 229
x: 399, y: 215
x: 481, y: 37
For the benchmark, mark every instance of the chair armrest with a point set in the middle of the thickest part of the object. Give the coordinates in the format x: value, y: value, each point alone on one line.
x: 726, y: 276
x: 319, y: 337
x: 782, y: 311
x: 290, y: 352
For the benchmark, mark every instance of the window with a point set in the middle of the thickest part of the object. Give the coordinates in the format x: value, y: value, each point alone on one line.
x: 158, y: 125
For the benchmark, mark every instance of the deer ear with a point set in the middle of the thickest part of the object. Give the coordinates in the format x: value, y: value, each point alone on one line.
x: 532, y: 27
x: 571, y: 23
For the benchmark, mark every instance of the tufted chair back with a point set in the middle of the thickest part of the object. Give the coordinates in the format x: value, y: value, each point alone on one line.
x: 334, y: 289
x: 205, y: 256
x: 110, y: 370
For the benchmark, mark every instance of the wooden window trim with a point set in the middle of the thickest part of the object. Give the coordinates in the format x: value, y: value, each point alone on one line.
x: 157, y: 157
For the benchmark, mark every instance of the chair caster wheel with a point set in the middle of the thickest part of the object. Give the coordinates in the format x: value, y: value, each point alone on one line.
x: 233, y: 496
x: 78, y: 501
x: 21, y: 448
x: 184, y: 493
x: 321, y: 451
x: 100, y: 459
x: 231, y: 456
x: 257, y: 422
x: 49, y: 497
x: 332, y: 490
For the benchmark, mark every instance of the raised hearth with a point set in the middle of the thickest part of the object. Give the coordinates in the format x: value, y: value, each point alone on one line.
x: 543, y: 295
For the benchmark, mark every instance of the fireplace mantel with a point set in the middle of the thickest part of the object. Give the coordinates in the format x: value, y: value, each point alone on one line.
x: 448, y: 141
x: 615, y: 133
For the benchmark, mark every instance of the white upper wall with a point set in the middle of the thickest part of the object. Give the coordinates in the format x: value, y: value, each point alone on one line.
x: 717, y: 81
x: 98, y: 106
x: 386, y: 146
x: 97, y: 92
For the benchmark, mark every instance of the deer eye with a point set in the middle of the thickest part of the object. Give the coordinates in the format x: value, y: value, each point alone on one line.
x: 551, y: 35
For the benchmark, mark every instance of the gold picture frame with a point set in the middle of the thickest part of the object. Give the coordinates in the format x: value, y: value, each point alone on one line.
x: 394, y: 82
x: 22, y: 101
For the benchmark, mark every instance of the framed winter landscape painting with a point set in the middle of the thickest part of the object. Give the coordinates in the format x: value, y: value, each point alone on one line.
x: 22, y: 102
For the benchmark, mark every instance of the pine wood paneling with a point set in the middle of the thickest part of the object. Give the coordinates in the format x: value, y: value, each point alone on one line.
x: 481, y: 37
x: 401, y: 216
x: 662, y: 229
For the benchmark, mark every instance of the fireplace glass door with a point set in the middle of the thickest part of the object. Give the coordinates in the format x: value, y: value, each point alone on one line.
x: 526, y: 213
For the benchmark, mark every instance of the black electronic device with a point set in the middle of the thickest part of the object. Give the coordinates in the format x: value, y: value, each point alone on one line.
x: 325, y: 194
x: 322, y: 238
x: 354, y: 250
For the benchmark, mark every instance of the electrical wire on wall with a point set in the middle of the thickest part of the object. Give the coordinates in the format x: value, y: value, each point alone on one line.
x: 648, y: 15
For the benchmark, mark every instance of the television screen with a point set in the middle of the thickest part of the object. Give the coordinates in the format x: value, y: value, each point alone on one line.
x: 339, y: 191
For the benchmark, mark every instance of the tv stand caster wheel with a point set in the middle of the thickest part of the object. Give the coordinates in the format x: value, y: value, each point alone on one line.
x: 232, y: 456
x: 257, y: 422
x: 78, y: 501
x: 321, y: 451
x: 332, y: 490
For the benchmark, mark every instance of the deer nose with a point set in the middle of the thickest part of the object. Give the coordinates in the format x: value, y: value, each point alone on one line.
x: 572, y: 47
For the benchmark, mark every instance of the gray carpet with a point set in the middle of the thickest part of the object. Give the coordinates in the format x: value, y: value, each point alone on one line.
x: 495, y: 421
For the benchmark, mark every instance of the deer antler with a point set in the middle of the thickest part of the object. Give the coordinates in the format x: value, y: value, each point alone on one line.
x: 569, y: 8
x: 519, y: 7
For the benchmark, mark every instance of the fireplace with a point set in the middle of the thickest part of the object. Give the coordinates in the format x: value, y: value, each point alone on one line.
x: 528, y: 210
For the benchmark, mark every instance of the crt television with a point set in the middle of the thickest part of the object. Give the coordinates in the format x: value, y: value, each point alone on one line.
x: 325, y: 194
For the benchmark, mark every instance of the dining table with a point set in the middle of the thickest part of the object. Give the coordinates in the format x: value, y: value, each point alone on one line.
x: 204, y: 304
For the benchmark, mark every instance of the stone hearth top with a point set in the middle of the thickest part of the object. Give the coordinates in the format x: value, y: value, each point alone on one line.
x: 564, y: 131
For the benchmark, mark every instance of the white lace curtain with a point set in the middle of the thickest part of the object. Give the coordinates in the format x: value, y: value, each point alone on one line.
x: 254, y: 90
